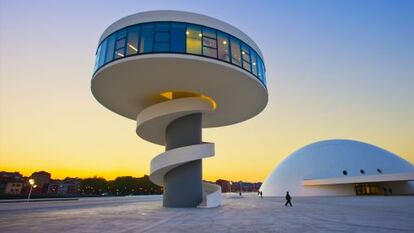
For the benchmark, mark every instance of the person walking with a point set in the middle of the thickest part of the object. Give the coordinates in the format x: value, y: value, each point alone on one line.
x: 288, y: 199
x: 261, y: 194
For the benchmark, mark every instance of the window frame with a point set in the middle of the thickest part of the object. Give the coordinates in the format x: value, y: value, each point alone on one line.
x: 201, y: 39
x: 184, y: 48
x: 232, y: 40
x: 207, y: 37
x: 243, y: 51
x: 121, y: 48
x: 227, y: 39
x: 157, y: 43
x: 151, y: 38
x: 129, y: 30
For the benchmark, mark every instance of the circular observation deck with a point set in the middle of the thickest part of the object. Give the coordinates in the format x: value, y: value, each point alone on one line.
x: 143, y: 58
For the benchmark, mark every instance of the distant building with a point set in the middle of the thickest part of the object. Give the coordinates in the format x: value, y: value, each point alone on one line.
x: 68, y: 186
x: 53, y: 187
x: 231, y: 186
x: 42, y: 180
x: 8, y: 177
x: 13, y: 188
x: 249, y: 187
x: 224, y: 184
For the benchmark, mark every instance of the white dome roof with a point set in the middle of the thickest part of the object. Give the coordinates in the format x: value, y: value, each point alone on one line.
x: 329, y: 159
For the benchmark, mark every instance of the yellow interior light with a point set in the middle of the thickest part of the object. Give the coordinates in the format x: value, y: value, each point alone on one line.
x: 169, y: 95
x: 199, y: 34
x: 187, y: 32
x: 209, y: 99
x: 132, y: 47
x: 224, y: 42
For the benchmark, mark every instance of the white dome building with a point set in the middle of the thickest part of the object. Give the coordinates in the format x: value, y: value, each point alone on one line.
x: 340, y: 167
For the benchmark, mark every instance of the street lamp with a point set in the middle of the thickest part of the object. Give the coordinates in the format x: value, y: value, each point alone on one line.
x: 32, y: 185
x: 230, y: 185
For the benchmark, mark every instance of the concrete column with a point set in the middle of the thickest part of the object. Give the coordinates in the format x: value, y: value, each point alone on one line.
x: 183, y: 184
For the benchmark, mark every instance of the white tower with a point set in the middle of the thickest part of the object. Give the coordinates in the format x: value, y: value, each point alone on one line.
x: 175, y: 73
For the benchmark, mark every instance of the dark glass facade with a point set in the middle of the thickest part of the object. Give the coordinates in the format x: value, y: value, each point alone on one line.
x: 182, y: 38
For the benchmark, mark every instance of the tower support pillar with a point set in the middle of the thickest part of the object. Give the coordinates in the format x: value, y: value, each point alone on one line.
x: 183, y: 184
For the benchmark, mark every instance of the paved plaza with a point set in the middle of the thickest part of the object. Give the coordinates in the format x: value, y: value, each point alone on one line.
x: 247, y: 214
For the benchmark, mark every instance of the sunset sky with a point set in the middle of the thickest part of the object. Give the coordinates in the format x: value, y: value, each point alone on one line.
x: 335, y: 69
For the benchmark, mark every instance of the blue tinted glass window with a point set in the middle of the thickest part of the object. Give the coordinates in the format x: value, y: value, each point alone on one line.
x: 132, y: 42
x: 121, y: 34
x: 177, y: 42
x: 110, y: 49
x: 263, y: 77
x: 179, y: 38
x: 223, y: 47
x: 162, y: 37
x: 235, y: 51
x: 254, y: 62
x: 120, y: 43
x: 119, y: 53
x: 98, y: 52
x: 162, y: 27
x: 102, y: 53
x: 161, y: 47
x: 260, y: 71
x: 146, y: 38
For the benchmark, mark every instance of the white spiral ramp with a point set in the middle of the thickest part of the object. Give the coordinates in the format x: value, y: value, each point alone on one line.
x: 152, y: 125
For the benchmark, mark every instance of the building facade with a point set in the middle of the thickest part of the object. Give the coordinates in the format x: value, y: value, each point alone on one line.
x: 11, y: 182
x: 13, y: 188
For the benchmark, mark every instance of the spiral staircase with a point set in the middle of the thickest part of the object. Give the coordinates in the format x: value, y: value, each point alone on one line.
x: 152, y: 124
